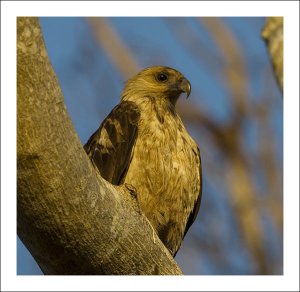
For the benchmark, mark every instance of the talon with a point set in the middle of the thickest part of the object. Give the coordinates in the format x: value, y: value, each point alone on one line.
x: 133, y: 192
x: 131, y: 189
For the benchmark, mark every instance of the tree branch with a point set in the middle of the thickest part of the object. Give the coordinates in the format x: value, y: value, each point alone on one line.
x: 272, y: 33
x: 71, y: 220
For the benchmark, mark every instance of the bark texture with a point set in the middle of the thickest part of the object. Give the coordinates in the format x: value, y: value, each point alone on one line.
x: 71, y: 220
x: 272, y: 33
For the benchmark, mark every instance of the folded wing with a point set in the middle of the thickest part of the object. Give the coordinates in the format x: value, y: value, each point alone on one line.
x: 110, y: 147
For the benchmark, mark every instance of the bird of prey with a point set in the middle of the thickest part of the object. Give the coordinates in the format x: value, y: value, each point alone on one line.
x: 144, y: 143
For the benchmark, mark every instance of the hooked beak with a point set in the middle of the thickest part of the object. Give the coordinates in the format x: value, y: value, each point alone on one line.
x: 185, y: 86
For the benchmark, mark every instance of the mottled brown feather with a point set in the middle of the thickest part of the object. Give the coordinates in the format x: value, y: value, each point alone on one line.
x: 110, y: 147
x: 195, y: 211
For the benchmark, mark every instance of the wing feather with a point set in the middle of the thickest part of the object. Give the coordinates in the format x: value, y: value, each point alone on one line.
x: 195, y: 211
x: 110, y: 147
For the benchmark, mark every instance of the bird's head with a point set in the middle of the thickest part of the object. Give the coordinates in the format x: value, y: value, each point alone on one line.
x: 158, y: 83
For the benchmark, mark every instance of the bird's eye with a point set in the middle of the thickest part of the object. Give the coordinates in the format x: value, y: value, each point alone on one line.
x: 162, y: 77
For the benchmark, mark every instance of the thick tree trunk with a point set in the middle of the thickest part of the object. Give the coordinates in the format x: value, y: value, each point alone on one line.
x: 71, y: 220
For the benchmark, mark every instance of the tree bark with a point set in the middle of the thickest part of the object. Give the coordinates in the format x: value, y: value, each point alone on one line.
x: 272, y: 33
x: 70, y: 219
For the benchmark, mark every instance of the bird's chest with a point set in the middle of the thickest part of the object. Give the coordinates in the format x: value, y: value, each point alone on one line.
x: 162, y: 168
x: 156, y: 151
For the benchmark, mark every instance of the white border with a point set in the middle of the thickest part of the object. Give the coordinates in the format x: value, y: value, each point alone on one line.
x: 287, y: 9
x: 149, y: 8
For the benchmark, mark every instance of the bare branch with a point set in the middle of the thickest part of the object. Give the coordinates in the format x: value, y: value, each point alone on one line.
x: 272, y: 33
x: 117, y: 51
x: 234, y: 70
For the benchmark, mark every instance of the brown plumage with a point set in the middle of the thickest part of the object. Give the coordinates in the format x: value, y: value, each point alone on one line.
x: 144, y: 143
